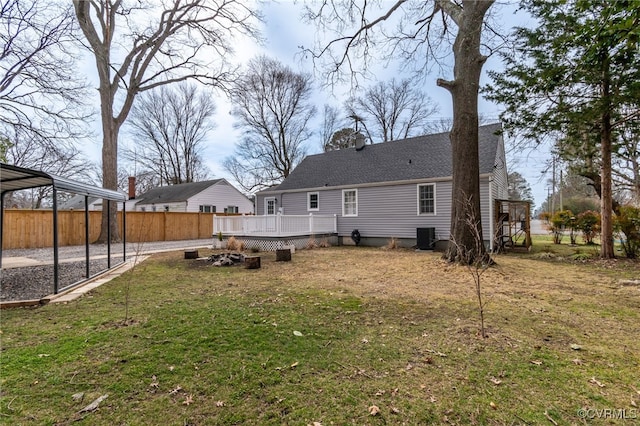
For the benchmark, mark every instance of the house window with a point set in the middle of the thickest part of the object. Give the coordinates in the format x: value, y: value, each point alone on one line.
x: 350, y: 202
x: 427, y: 199
x: 231, y: 209
x: 207, y: 209
x: 270, y: 206
x: 166, y: 208
x: 313, y: 201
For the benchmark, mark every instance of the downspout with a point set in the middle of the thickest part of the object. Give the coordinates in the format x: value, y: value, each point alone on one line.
x: 491, y: 218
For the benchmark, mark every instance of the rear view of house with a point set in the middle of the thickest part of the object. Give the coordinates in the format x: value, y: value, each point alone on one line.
x: 399, y: 189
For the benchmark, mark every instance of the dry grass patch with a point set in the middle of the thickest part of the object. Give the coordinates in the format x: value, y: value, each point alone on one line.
x: 346, y: 328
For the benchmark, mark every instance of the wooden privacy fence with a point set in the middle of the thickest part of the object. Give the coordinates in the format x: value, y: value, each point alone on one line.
x: 34, y: 228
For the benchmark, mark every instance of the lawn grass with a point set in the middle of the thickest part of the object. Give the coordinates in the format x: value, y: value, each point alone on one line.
x: 326, y: 337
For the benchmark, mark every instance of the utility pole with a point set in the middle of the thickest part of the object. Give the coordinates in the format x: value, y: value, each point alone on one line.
x: 553, y: 185
x: 560, y: 191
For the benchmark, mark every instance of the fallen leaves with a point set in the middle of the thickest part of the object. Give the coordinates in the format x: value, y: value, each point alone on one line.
x: 188, y: 400
x: 495, y: 381
x: 536, y: 362
x: 596, y: 382
x: 154, y: 382
x: 374, y: 410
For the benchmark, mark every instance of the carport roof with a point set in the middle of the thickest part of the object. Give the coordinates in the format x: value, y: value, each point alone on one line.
x: 14, y: 178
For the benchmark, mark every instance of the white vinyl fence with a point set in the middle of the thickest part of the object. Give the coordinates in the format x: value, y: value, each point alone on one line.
x: 275, y: 225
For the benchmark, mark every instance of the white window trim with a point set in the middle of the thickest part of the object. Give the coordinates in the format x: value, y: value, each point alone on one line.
x: 266, y: 206
x: 433, y: 184
x: 343, y: 212
x: 309, y: 194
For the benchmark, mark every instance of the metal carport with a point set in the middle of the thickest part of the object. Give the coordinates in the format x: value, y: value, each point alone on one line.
x: 13, y: 178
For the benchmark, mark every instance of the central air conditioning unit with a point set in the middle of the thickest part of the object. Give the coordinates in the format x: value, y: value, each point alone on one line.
x: 425, y: 238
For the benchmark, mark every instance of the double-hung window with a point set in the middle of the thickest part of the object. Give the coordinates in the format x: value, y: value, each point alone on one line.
x: 427, y: 199
x: 349, y: 202
x: 313, y: 201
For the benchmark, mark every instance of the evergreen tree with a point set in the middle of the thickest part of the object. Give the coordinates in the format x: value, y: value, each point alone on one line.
x: 575, y: 76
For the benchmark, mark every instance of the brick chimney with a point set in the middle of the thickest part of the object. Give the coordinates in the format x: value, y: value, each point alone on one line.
x: 132, y: 187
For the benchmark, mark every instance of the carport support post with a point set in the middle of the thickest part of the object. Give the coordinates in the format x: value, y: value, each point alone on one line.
x: 109, y: 235
x: 124, y: 231
x: 1, y: 223
x: 55, y: 240
x: 86, y: 234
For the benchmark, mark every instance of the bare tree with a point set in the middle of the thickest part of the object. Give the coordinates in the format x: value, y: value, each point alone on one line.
x: 420, y: 31
x: 139, y: 45
x: 273, y: 108
x: 394, y: 110
x: 40, y: 96
x: 169, y: 127
x: 58, y: 159
x: 476, y: 265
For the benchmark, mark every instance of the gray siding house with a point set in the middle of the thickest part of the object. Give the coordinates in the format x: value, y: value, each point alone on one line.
x: 389, y: 190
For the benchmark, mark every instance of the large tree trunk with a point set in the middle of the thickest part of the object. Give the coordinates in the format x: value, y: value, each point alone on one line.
x: 110, y: 129
x: 109, y: 177
x: 465, y: 208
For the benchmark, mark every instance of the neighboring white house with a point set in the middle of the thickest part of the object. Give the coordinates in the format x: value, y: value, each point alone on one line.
x: 212, y: 196
x: 398, y: 189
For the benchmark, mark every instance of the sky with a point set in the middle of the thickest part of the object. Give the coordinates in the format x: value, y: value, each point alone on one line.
x: 284, y: 32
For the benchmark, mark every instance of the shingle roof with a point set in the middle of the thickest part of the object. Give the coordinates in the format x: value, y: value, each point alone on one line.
x: 421, y: 157
x: 75, y: 203
x: 174, y: 193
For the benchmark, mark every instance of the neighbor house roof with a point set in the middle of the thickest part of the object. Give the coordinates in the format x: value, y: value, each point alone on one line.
x: 174, y: 193
x: 76, y: 203
x: 421, y: 157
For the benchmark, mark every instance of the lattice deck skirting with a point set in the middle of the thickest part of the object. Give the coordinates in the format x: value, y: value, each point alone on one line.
x: 276, y: 243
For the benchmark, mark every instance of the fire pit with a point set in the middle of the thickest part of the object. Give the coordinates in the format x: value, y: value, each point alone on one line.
x: 227, y: 259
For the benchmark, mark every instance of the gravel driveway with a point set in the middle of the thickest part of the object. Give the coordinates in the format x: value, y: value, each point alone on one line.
x: 27, y: 274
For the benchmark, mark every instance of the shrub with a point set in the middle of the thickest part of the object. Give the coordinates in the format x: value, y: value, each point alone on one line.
x: 560, y: 221
x: 235, y: 245
x: 546, y: 216
x: 324, y: 243
x: 589, y: 224
x: 627, y: 222
x: 311, y: 243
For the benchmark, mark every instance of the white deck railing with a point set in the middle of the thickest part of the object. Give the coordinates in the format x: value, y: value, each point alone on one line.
x: 275, y: 225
